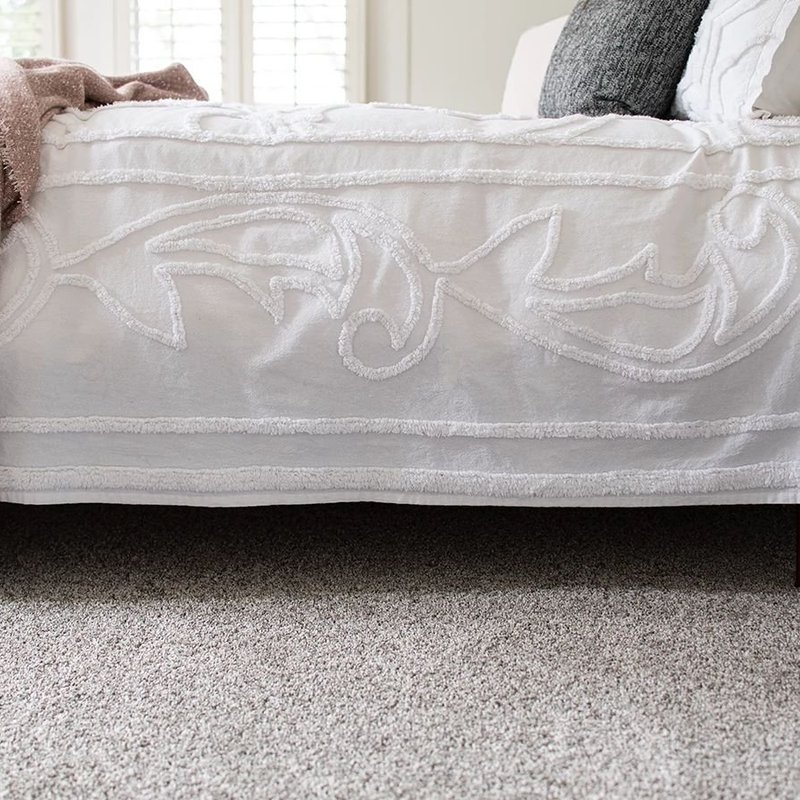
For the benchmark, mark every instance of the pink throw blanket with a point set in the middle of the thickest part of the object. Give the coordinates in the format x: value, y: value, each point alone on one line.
x: 33, y: 90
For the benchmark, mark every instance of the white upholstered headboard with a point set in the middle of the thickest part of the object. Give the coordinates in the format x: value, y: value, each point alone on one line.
x: 529, y: 67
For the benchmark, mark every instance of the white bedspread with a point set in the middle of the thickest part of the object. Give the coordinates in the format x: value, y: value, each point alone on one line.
x: 216, y: 305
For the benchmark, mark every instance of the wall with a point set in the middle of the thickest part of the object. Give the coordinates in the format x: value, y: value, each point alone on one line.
x: 448, y: 53
x: 103, y: 42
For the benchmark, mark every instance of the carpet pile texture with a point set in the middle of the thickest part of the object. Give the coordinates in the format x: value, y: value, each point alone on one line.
x: 382, y: 652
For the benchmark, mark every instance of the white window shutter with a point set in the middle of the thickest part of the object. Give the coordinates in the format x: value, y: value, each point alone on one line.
x: 271, y: 52
x: 29, y: 28
x: 189, y: 31
x: 299, y: 51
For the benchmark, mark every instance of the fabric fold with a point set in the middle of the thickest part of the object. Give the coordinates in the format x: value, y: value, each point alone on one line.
x: 34, y: 90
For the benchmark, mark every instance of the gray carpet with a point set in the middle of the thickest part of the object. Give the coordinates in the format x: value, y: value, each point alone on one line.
x: 381, y: 652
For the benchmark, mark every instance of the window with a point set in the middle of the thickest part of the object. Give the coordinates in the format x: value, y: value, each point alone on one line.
x: 299, y: 51
x: 272, y: 52
x: 189, y: 31
x: 27, y: 28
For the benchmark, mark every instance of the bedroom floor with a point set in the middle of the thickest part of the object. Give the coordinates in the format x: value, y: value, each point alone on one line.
x: 398, y: 652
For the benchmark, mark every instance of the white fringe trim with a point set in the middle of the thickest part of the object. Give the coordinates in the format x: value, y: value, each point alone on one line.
x: 776, y: 475
x: 349, y: 426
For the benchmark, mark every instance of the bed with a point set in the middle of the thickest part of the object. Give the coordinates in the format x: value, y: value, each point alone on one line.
x: 216, y: 305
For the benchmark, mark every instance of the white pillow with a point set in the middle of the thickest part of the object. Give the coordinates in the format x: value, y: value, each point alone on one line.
x: 744, y: 62
x: 529, y: 67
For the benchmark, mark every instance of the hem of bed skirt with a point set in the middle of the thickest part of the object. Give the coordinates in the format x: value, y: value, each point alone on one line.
x: 266, y: 499
x: 776, y: 482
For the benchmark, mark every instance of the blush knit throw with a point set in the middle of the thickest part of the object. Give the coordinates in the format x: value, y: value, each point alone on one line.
x: 34, y: 90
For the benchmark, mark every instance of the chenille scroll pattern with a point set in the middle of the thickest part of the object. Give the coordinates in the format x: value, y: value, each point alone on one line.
x: 716, y: 292
x: 723, y: 333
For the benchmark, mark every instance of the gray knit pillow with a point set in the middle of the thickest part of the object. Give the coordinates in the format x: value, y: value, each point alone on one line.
x: 621, y: 57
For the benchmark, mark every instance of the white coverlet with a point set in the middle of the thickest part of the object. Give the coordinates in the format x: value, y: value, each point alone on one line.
x: 216, y: 305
